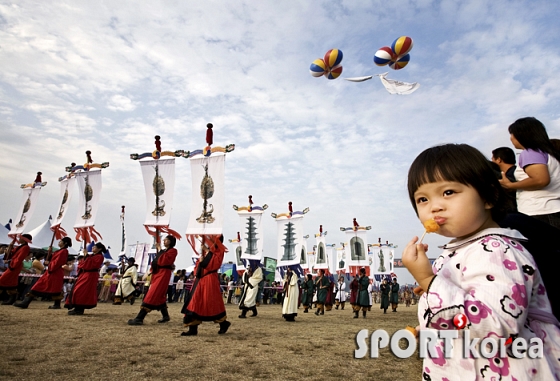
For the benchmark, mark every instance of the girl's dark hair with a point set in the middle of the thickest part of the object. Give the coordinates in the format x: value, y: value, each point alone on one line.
x: 172, y: 241
x: 101, y: 247
x: 460, y: 163
x: 531, y: 134
x: 67, y: 241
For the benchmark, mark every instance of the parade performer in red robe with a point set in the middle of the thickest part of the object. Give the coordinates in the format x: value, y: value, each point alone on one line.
x: 50, y: 284
x: 9, y: 279
x: 205, y: 302
x: 354, y: 289
x: 156, y: 298
x: 84, y: 293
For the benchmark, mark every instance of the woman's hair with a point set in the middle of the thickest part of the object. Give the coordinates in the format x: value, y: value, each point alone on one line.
x: 460, y: 163
x: 67, y: 241
x: 172, y: 240
x: 531, y: 134
x: 101, y: 247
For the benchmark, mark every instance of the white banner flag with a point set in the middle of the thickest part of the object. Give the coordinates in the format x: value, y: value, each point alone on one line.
x: 238, y: 250
x: 357, y: 247
x: 382, y: 259
x: 66, y: 191
x: 321, y: 260
x: 159, y: 183
x: 341, y: 262
x: 303, y: 258
x: 252, y: 242
x: 207, y: 208
x: 290, y: 240
x: 89, y: 188
x: 30, y: 196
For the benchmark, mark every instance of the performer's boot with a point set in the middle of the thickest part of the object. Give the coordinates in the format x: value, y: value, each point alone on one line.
x: 55, y: 306
x: 117, y: 301
x: 385, y: 310
x: 317, y: 312
x: 243, y: 314
x: 11, y: 300
x: 224, y: 327
x: 76, y: 311
x: 364, y: 313
x: 193, y: 331
x: 164, y: 315
x: 342, y: 305
x: 356, y: 314
x: 131, y: 300
x: 323, y: 310
x: 306, y: 310
x: 254, y: 310
x: 139, y: 319
x: 336, y: 307
x: 24, y: 303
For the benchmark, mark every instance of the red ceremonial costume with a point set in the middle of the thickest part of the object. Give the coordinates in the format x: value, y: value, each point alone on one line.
x: 9, y: 279
x: 50, y: 284
x: 354, y: 288
x: 156, y: 298
x: 206, y: 302
x: 84, y: 292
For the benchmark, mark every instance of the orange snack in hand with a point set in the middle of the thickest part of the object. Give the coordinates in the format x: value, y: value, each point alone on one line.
x: 431, y: 226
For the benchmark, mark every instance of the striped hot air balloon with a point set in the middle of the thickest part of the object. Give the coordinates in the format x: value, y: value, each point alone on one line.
x: 383, y: 56
x: 400, y: 63
x: 318, y: 68
x: 401, y: 46
x: 333, y: 58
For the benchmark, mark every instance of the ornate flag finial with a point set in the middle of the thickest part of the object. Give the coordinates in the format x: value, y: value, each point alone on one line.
x: 88, y: 154
x: 38, y: 178
x: 238, y: 237
x: 290, y: 207
x: 158, y: 143
x: 379, y: 240
x: 321, y: 229
x: 356, y: 223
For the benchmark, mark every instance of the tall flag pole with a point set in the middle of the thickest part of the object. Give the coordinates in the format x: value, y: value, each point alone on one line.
x: 290, y: 239
x: 123, y: 234
x: 357, y: 247
x: 88, y: 177
x: 158, y: 171
x: 30, y: 195
x: 208, y: 205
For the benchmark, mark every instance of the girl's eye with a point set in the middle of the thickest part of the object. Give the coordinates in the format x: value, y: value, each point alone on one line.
x: 448, y: 192
x: 420, y: 200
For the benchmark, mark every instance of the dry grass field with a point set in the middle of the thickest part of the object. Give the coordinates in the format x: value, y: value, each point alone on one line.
x: 43, y: 344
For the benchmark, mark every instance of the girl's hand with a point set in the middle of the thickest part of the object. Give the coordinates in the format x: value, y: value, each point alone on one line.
x: 416, y: 261
x: 504, y: 181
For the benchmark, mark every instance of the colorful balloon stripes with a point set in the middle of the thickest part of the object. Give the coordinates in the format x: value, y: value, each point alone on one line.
x: 329, y: 66
x: 396, y: 56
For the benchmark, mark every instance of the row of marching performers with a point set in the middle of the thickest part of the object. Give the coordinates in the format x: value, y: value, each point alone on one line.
x: 203, y: 303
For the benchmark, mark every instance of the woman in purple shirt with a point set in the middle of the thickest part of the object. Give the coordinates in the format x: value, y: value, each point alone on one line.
x: 538, y: 172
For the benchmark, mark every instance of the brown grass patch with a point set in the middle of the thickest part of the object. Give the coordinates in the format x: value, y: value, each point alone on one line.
x: 42, y: 344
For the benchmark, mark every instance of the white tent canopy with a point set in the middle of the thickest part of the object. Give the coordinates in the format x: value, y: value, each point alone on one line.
x: 42, y: 236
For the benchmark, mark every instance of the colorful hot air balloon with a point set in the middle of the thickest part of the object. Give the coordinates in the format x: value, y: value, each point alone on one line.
x: 333, y: 58
x: 318, y: 68
x: 334, y: 73
x: 400, y: 63
x: 402, y: 46
x: 383, y: 56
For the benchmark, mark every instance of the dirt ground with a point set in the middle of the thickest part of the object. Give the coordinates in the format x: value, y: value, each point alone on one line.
x: 43, y: 344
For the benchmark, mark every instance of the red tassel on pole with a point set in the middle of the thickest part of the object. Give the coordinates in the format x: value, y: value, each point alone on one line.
x: 158, y: 143
x: 209, y: 134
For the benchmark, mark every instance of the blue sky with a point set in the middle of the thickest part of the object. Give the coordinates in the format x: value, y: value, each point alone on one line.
x: 106, y: 76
